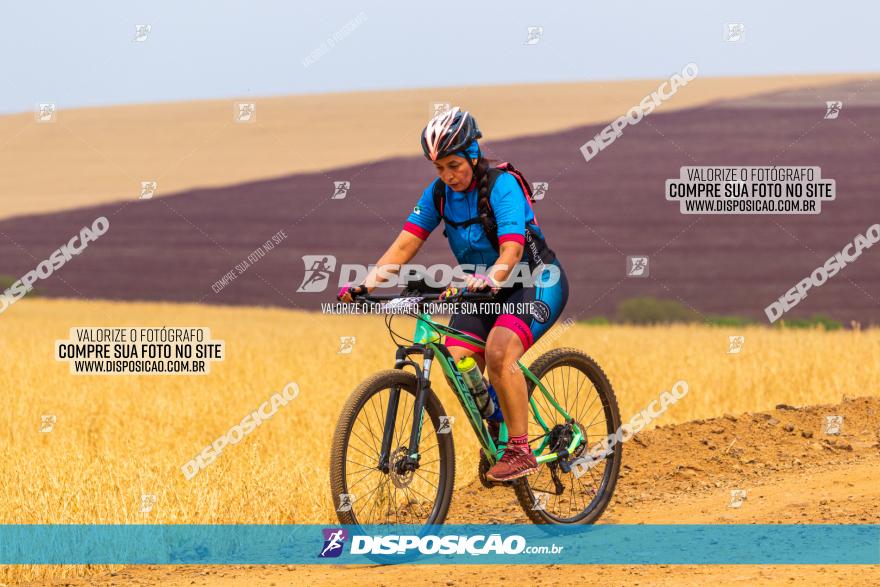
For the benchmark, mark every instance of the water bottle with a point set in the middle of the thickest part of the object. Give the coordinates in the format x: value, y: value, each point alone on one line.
x: 497, y: 416
x: 477, y: 386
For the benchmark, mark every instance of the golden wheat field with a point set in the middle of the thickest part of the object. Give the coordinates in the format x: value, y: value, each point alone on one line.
x: 119, y: 437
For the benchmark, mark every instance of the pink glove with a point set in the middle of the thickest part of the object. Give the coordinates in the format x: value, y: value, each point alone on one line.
x: 350, y: 289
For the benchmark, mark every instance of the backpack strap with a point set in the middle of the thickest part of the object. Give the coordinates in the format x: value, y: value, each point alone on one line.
x: 484, y: 206
x: 439, y: 197
x: 439, y: 194
x: 523, y: 184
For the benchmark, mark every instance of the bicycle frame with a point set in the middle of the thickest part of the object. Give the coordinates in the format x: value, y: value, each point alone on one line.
x: 427, y: 343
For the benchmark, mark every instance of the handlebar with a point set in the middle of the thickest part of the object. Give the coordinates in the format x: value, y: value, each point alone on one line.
x: 468, y: 296
x: 421, y: 299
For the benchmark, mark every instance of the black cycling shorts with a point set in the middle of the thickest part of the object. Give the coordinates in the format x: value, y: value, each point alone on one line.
x: 534, y: 310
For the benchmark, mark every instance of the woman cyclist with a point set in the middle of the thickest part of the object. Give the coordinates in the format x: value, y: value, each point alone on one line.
x: 450, y: 142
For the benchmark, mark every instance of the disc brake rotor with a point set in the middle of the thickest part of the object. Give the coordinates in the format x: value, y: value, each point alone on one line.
x: 398, y: 478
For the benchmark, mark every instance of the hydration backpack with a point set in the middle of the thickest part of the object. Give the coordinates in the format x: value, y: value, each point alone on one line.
x: 484, y: 207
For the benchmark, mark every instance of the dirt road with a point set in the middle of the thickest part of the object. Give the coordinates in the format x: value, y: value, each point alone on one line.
x: 793, y: 473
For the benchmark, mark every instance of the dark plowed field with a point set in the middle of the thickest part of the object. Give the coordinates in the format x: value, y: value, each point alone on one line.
x: 175, y: 247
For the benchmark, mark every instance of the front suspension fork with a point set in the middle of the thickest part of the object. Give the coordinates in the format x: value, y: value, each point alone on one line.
x: 423, y: 374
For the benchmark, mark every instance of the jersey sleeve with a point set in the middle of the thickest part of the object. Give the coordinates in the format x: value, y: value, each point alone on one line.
x: 509, y: 204
x: 424, y: 217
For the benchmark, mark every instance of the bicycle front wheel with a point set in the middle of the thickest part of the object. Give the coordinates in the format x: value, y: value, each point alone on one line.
x: 364, y: 492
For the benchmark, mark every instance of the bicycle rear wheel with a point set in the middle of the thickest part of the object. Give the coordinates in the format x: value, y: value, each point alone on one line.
x: 390, y: 497
x: 581, y: 388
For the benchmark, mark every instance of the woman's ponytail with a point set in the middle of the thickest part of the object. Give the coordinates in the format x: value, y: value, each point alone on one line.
x: 484, y: 209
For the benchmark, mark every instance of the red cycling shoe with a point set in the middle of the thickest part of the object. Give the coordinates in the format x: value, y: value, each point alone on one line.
x: 514, y: 463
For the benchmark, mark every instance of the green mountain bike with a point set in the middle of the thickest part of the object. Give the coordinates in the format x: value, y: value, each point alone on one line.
x: 387, y: 467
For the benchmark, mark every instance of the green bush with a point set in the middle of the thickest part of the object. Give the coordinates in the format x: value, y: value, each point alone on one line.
x: 648, y: 310
x: 595, y: 321
x: 817, y: 320
x: 7, y: 281
x: 729, y: 321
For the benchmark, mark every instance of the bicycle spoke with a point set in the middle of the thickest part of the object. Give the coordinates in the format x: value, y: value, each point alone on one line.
x: 374, y: 502
x: 421, y: 452
x: 360, y: 451
x: 601, y: 410
x: 565, y: 391
x: 419, y: 494
x: 587, y: 409
x: 412, y: 501
x: 362, y: 441
x: 368, y: 424
x: 363, y: 467
x: 380, y: 419
x: 375, y: 439
x: 352, y: 485
x: 577, y: 396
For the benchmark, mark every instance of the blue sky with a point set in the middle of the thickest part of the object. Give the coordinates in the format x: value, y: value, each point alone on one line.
x: 82, y: 54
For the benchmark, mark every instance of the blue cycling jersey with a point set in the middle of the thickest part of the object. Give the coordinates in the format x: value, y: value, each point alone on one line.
x: 470, y: 244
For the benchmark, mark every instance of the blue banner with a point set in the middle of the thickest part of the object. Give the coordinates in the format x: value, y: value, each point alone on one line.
x: 453, y: 544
